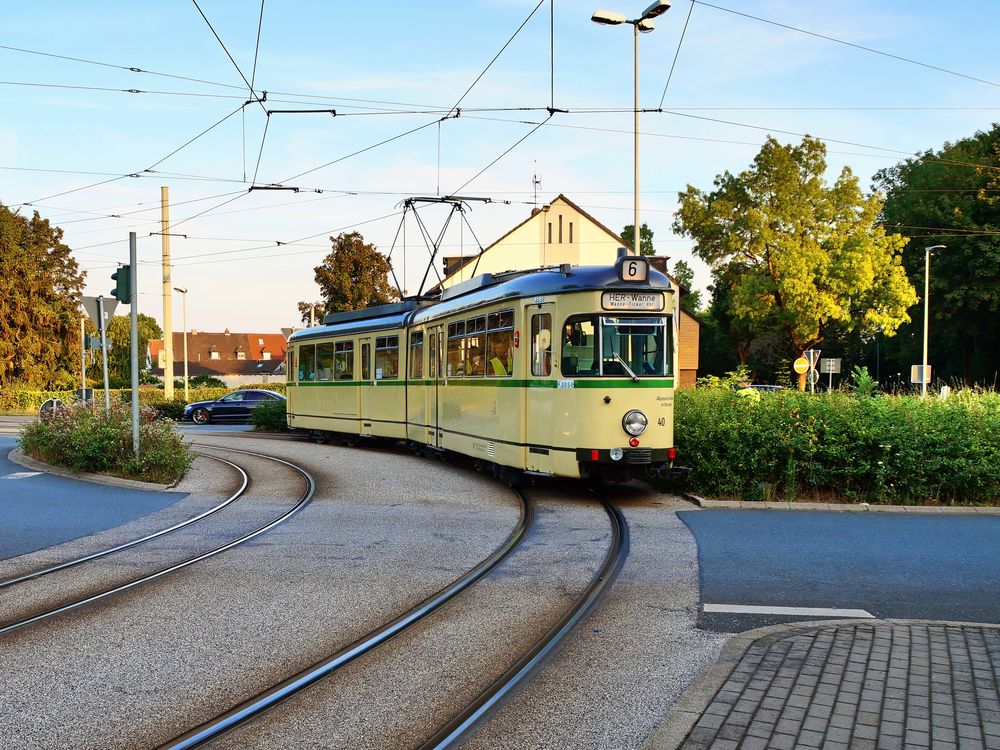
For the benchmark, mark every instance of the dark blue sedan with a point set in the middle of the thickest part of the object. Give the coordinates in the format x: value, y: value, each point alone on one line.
x: 233, y: 407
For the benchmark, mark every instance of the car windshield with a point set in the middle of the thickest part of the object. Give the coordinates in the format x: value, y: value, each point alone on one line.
x: 617, y: 346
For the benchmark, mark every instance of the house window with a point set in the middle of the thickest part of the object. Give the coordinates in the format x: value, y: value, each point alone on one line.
x: 213, y: 355
x: 560, y: 229
x: 266, y: 355
x: 260, y: 341
x: 241, y: 355
x: 571, y: 232
x: 550, y: 232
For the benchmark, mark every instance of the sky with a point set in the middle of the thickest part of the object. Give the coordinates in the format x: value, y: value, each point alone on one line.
x: 424, y: 109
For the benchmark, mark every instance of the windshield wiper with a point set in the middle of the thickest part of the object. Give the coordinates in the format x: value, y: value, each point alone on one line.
x: 635, y: 378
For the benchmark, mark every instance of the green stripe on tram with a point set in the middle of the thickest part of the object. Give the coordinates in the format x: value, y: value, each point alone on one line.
x: 501, y: 383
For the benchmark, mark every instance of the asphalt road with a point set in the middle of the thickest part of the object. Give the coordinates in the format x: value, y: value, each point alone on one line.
x: 939, y: 567
x: 40, y: 510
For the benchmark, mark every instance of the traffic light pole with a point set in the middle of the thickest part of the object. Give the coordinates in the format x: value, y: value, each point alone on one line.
x: 104, y: 352
x: 134, y: 291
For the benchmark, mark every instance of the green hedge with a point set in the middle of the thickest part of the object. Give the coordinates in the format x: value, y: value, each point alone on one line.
x: 793, y: 446
x: 23, y: 401
x: 86, y: 439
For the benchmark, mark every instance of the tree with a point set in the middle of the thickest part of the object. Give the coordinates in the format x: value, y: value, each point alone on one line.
x: 950, y: 197
x: 684, y: 274
x: 40, y: 289
x: 311, y: 312
x: 799, y: 254
x: 354, y: 275
x: 645, y: 239
x: 120, y: 357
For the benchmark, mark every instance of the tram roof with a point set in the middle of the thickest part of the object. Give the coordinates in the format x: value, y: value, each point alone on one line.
x: 481, y: 290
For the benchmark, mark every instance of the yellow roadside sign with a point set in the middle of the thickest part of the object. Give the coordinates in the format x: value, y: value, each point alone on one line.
x: 801, y: 365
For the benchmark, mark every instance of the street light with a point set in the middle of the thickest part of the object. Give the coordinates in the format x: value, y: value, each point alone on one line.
x: 927, y: 305
x: 642, y: 23
x: 184, y: 291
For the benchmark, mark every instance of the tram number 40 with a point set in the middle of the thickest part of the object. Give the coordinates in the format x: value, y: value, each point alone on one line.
x: 662, y: 421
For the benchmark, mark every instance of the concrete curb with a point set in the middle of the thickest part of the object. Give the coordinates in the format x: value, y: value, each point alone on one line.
x: 674, y: 729
x: 18, y: 457
x: 970, y: 510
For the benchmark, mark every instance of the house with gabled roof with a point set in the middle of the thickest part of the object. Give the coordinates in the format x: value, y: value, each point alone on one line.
x: 235, y: 358
x: 562, y: 232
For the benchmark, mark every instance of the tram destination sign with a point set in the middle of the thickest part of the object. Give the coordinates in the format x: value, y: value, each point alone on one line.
x: 632, y: 301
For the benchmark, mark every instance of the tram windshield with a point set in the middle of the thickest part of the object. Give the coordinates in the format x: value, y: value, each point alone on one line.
x: 617, y: 346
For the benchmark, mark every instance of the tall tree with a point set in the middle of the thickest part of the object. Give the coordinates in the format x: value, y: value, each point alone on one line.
x: 799, y: 254
x: 354, y: 275
x: 40, y: 289
x: 691, y: 301
x: 645, y: 238
x: 120, y: 356
x: 950, y: 197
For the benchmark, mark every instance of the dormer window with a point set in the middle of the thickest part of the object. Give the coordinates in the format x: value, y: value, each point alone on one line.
x: 213, y: 355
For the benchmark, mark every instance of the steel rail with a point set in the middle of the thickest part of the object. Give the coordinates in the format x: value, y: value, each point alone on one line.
x: 465, y: 722
x: 255, y: 706
x: 118, y: 548
x: 303, y: 502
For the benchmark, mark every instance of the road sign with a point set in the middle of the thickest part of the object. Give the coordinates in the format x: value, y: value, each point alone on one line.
x: 812, y: 377
x: 801, y: 365
x: 90, y: 305
x: 918, y: 376
x: 812, y: 355
x: 830, y: 365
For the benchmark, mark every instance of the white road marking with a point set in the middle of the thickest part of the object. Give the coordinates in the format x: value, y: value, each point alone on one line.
x: 746, y: 609
x: 22, y: 475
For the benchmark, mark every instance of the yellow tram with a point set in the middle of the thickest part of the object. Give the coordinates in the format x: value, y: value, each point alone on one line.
x: 565, y: 371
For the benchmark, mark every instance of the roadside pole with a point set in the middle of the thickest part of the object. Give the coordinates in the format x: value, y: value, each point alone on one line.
x: 104, y: 353
x: 134, y: 271
x: 83, y: 359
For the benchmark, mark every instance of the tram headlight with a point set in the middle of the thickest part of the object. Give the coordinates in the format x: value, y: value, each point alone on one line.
x: 634, y: 423
x: 616, y: 454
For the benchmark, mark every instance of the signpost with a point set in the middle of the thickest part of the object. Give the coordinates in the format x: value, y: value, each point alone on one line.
x: 830, y: 365
x: 801, y: 365
x: 920, y: 374
x: 100, y: 311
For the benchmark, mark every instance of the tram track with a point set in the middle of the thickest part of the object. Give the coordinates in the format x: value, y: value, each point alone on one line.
x: 303, y: 501
x: 73, y: 562
x: 465, y: 721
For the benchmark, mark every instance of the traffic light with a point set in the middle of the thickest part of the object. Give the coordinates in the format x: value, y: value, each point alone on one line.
x: 123, y: 289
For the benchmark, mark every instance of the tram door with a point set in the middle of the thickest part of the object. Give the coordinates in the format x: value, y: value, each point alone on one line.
x: 542, y: 416
x: 366, y: 387
x: 435, y: 373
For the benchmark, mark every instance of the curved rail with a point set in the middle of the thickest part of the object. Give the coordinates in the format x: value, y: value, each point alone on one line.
x: 246, y: 711
x: 464, y: 722
x: 111, y: 550
x: 303, y: 501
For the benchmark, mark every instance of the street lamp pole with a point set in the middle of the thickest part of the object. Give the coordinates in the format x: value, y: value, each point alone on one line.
x: 927, y: 306
x: 642, y: 23
x: 184, y: 292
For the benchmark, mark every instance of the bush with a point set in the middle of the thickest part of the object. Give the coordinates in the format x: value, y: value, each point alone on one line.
x: 86, y: 439
x: 790, y: 445
x: 269, y: 416
x: 172, y: 410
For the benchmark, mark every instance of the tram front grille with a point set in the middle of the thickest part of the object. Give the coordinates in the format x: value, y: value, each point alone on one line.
x: 639, y: 456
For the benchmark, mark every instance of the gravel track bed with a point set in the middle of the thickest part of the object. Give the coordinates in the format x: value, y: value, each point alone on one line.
x: 397, y: 695
x: 149, y: 664
x: 619, y: 673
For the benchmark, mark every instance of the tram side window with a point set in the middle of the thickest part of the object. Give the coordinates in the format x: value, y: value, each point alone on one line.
x: 541, y: 343
x: 475, y: 347
x: 290, y: 365
x: 579, y: 346
x: 455, y: 366
x: 324, y: 361
x: 366, y: 361
x: 344, y: 360
x: 387, y: 357
x: 432, y: 356
x: 500, y: 337
x: 307, y: 363
x: 416, y: 355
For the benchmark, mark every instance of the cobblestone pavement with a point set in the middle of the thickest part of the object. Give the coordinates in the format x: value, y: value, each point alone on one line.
x: 872, y: 684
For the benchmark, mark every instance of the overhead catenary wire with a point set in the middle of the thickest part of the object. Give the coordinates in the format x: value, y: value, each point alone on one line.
x: 677, y: 53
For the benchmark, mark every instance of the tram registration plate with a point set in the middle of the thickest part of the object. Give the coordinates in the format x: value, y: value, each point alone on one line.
x: 632, y: 301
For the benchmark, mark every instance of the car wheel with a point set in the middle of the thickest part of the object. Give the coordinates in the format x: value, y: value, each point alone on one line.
x: 201, y: 416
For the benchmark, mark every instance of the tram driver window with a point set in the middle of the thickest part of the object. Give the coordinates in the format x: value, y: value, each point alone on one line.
x: 455, y: 366
x: 307, y: 363
x: 386, y: 357
x: 579, y: 347
x: 500, y: 339
x: 344, y: 360
x: 541, y: 344
x: 475, y: 347
x: 290, y: 365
